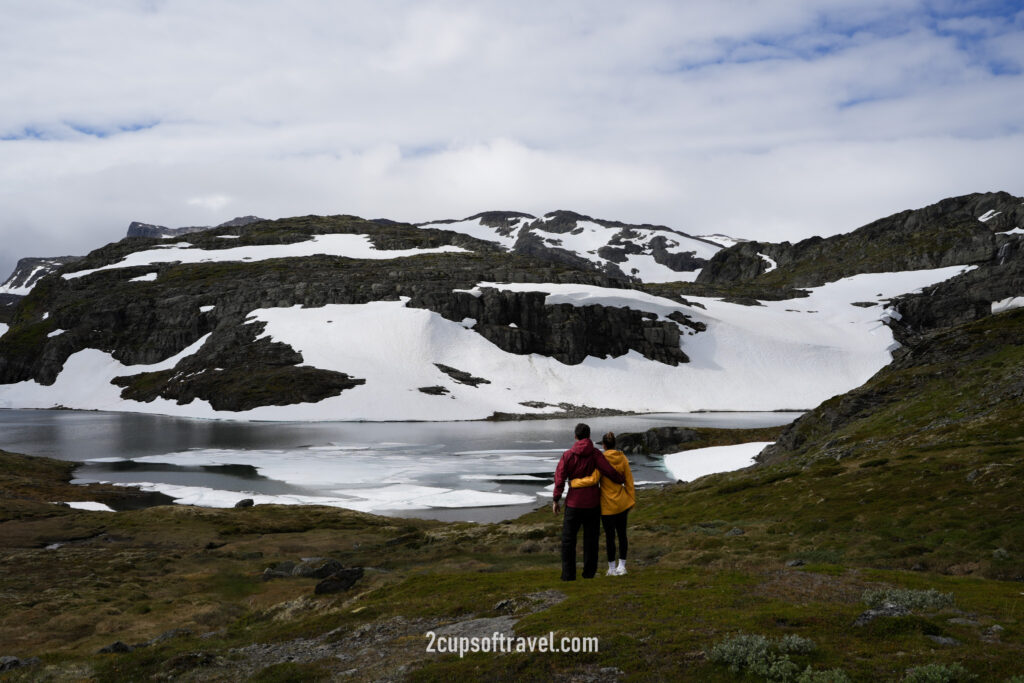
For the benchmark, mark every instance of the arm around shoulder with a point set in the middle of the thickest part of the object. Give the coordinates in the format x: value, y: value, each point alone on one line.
x: 583, y: 482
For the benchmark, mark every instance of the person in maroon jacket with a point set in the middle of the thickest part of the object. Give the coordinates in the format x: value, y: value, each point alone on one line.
x: 582, y: 505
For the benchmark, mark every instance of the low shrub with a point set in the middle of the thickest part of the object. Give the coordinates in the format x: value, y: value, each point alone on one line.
x: 938, y: 673
x: 770, y: 658
x: 930, y: 599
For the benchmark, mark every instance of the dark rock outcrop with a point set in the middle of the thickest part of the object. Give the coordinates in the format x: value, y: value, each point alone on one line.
x: 116, y: 647
x: 7, y: 304
x: 461, y: 376
x: 339, y: 581
x: 963, y: 298
x: 656, y: 440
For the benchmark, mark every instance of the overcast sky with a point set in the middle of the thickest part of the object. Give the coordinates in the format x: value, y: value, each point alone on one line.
x: 762, y: 119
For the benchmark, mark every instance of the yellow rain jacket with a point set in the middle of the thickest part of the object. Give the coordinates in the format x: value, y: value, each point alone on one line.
x: 615, y: 498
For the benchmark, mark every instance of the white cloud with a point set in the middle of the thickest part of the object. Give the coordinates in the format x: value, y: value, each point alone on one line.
x: 775, y: 122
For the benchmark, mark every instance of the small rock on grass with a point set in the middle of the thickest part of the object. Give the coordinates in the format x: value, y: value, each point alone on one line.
x: 944, y: 640
x: 9, y: 663
x: 116, y: 647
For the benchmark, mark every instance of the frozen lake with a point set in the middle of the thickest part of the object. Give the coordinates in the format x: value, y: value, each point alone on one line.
x: 479, y: 471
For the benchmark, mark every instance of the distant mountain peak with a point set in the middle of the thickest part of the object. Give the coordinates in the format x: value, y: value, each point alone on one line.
x: 140, y: 229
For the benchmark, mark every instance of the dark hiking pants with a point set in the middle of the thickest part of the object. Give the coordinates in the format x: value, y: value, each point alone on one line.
x: 590, y: 520
x: 615, y: 525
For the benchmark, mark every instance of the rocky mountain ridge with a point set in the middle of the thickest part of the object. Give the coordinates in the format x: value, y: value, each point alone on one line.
x: 971, y: 229
x: 138, y: 229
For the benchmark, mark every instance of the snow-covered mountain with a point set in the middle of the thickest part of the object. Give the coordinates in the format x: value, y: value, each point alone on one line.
x: 340, y: 318
x: 650, y: 253
x: 29, y: 271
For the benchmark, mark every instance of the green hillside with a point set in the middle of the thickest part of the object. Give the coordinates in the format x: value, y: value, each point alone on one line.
x: 905, y: 491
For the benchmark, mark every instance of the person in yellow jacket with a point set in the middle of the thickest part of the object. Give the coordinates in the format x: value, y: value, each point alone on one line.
x: 616, y: 502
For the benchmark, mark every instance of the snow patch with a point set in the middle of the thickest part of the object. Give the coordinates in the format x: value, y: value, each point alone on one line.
x: 1015, y: 231
x: 350, y: 246
x: 1007, y: 304
x: 55, y: 333
x: 647, y: 269
x: 988, y: 215
x: 29, y: 280
x: 723, y: 240
x: 700, y: 462
x: 84, y: 384
x: 206, y: 309
x: 90, y: 505
x: 3, y: 328
x: 477, y: 229
x: 772, y: 265
x: 148, y: 277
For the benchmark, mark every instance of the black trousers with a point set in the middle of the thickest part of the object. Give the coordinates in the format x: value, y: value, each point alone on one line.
x: 615, y: 525
x: 590, y: 520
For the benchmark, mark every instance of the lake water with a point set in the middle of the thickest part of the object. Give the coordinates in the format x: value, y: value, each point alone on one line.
x: 479, y: 471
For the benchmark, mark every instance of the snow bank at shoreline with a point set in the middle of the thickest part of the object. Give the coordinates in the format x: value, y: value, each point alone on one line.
x: 700, y: 462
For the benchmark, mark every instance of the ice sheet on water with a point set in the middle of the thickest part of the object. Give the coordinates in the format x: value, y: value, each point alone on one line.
x: 386, y: 498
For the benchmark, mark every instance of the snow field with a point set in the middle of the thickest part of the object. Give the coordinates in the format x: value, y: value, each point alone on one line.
x: 351, y: 246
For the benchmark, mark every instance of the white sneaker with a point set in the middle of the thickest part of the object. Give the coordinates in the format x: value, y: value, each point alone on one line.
x: 612, y: 570
x: 620, y: 570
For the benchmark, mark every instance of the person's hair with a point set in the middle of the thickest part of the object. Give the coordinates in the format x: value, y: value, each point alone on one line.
x: 582, y: 431
x: 608, y: 440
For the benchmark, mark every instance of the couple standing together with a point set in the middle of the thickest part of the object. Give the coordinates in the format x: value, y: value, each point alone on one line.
x: 600, y: 493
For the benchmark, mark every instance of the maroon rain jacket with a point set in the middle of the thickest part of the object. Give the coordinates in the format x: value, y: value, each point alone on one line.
x: 580, y: 461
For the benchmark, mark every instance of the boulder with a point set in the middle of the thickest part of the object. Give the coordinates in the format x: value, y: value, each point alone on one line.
x: 116, y: 647
x: 317, y: 568
x: 339, y: 581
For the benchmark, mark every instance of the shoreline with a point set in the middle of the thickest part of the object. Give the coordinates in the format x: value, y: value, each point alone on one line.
x: 580, y: 412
